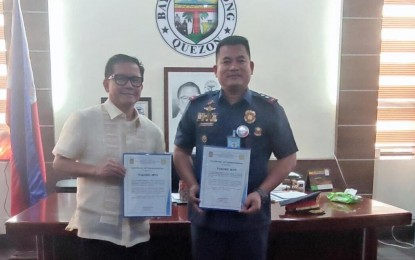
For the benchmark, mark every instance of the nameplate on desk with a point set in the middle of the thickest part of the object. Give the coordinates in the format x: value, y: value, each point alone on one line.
x: 320, y: 180
x: 224, y: 180
x: 147, y: 185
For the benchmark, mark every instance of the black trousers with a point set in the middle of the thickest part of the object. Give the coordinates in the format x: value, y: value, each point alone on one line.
x: 92, y: 249
x: 238, y: 245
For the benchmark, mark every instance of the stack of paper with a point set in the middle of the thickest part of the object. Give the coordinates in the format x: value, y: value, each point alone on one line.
x: 278, y: 196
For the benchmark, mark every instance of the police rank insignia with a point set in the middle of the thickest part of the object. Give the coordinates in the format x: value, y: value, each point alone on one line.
x: 250, y: 116
x: 268, y: 98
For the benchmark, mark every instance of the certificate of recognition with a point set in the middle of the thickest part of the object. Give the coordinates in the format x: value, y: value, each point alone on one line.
x: 224, y: 180
x: 147, y: 185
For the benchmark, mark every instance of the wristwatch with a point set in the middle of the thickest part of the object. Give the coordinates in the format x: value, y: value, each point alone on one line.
x: 264, y: 195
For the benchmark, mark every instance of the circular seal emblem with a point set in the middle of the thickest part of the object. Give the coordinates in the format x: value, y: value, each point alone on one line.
x: 195, y: 27
x: 242, y: 131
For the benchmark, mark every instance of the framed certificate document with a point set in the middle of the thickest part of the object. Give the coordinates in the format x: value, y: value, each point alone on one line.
x: 147, y: 185
x: 224, y: 180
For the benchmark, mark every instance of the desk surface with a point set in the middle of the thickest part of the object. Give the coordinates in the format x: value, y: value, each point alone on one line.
x: 343, y: 232
x: 52, y: 214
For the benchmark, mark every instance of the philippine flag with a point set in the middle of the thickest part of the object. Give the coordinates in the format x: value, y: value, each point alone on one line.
x: 27, y: 162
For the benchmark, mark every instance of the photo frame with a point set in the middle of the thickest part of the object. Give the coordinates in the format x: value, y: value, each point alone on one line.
x: 183, y: 79
x: 143, y: 106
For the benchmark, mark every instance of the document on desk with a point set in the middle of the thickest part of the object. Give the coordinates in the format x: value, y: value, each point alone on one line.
x: 278, y: 196
x: 224, y: 180
x: 147, y: 185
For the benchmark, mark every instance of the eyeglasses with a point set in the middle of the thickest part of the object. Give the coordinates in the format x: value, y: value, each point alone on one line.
x: 122, y: 80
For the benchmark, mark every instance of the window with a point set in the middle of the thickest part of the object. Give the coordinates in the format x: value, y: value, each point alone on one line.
x: 395, y: 136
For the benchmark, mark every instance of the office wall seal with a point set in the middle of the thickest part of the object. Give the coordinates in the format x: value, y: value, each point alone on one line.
x: 195, y: 27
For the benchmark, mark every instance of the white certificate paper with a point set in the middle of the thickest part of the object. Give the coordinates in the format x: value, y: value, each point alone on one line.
x: 224, y: 180
x: 147, y: 185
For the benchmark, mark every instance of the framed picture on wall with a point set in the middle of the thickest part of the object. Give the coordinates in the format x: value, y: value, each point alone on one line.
x: 180, y: 84
x: 143, y: 106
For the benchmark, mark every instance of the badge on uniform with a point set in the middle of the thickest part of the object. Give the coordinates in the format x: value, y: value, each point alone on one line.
x: 250, y: 116
x: 258, y: 131
x: 208, y: 118
x: 242, y: 131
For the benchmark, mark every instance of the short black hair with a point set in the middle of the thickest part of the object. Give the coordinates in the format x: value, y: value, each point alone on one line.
x: 234, y: 40
x: 187, y: 84
x: 120, y: 58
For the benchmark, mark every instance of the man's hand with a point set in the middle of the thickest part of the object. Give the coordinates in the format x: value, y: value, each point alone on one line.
x: 73, y: 168
x: 252, y: 203
x: 193, y: 198
x: 110, y: 169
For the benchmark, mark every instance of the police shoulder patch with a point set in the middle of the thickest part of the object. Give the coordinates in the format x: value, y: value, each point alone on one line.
x: 264, y: 97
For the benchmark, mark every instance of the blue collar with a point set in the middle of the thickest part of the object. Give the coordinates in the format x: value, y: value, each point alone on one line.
x: 247, y: 96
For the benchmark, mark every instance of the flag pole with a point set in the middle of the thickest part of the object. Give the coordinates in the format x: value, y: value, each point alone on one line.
x: 28, y: 171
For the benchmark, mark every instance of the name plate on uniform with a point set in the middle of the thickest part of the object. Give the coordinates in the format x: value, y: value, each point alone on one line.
x: 224, y: 180
x: 147, y: 185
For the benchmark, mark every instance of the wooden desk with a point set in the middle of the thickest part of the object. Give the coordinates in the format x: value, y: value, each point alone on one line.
x: 343, y: 232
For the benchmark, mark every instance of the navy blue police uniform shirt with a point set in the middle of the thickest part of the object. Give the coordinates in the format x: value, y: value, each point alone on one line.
x: 209, y: 119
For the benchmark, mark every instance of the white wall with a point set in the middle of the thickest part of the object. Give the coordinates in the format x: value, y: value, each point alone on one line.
x: 394, y: 183
x: 294, y: 44
x: 4, y: 195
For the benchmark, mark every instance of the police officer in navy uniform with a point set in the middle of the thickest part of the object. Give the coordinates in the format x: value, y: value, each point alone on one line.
x: 256, y: 122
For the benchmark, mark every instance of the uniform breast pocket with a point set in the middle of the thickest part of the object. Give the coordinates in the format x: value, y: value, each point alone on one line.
x: 257, y: 138
x: 210, y: 136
